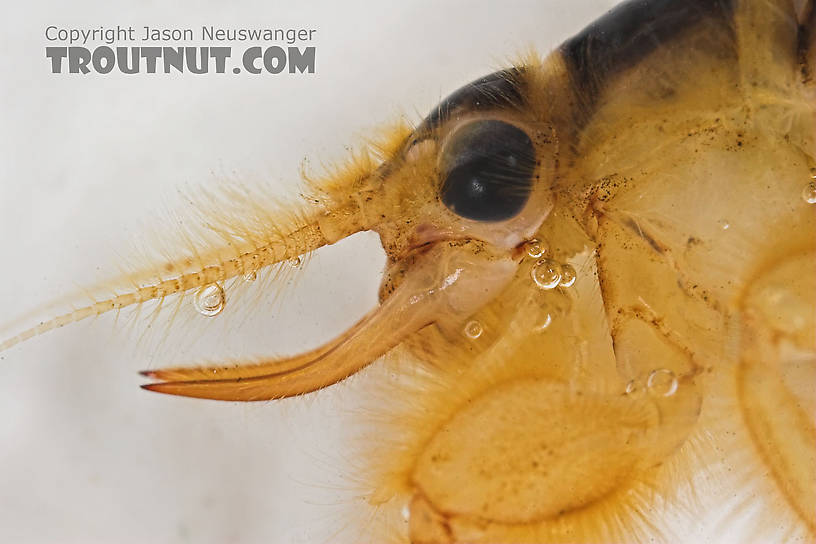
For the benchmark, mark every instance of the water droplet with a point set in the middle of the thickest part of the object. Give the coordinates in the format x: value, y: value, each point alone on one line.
x: 809, y: 192
x: 295, y: 261
x: 632, y: 387
x: 209, y: 300
x: 662, y: 383
x: 473, y: 330
x: 545, y: 323
x: 568, y: 275
x: 406, y: 513
x: 535, y: 248
x: 724, y: 225
x: 250, y: 276
x: 546, y: 273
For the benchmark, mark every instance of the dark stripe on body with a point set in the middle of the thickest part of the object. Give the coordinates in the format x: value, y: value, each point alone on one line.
x: 628, y: 34
x: 806, y: 42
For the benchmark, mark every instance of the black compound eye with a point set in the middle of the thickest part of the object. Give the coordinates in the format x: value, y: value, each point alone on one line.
x: 487, y: 170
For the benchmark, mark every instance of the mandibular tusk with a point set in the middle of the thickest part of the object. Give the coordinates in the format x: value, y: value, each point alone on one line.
x: 416, y: 303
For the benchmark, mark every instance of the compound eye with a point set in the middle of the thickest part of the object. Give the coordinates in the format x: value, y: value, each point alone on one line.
x: 487, y: 170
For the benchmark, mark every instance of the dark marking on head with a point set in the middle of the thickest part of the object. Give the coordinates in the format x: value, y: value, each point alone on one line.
x: 629, y: 33
x: 503, y: 89
x: 499, y: 90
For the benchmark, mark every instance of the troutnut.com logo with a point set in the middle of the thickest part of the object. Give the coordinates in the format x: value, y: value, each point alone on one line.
x: 165, y: 50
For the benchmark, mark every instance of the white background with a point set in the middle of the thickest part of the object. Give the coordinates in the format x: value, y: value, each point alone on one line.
x: 88, y: 163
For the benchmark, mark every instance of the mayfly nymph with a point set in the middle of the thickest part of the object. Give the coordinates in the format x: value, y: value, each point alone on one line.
x: 599, y: 296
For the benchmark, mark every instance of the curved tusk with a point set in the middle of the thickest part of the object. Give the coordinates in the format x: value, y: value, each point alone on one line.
x: 440, y: 286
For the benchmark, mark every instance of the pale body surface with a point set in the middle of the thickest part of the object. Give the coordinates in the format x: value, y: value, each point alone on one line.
x: 689, y: 326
